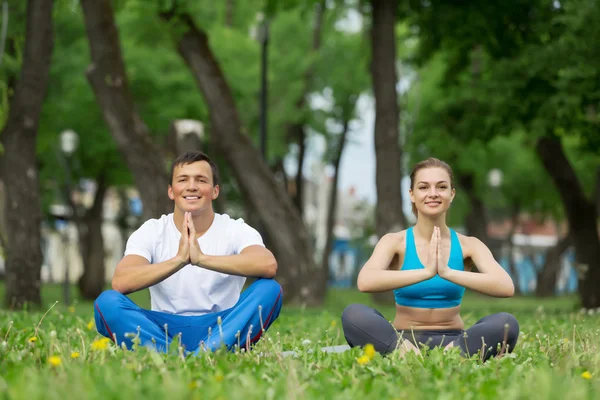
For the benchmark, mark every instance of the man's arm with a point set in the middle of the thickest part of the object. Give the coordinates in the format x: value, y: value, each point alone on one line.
x: 253, y: 261
x: 135, y: 273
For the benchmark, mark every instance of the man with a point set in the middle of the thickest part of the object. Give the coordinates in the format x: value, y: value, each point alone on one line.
x: 195, y: 263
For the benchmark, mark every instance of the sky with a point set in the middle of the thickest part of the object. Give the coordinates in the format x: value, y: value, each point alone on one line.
x: 357, y: 166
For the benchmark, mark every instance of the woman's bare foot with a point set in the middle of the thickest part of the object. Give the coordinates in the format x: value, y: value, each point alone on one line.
x: 449, y: 346
x: 404, y: 346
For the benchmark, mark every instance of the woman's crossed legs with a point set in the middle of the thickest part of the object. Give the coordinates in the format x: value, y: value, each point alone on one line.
x: 490, y: 336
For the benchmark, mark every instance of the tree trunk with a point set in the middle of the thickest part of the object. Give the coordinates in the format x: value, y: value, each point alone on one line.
x: 597, y: 192
x: 108, y: 79
x: 229, y: 7
x: 2, y: 219
x: 18, y: 168
x: 296, y: 130
x: 302, y: 280
x: 332, y: 205
x: 11, y: 82
x: 91, y: 245
x: 389, y: 216
x: 124, y: 216
x: 280, y: 174
x: 516, y: 210
x: 476, y: 221
x: 547, y: 277
x: 582, y: 217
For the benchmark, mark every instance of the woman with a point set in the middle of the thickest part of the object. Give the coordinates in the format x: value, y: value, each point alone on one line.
x: 428, y: 267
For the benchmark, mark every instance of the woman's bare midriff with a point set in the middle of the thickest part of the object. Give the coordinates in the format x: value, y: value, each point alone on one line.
x: 427, y: 319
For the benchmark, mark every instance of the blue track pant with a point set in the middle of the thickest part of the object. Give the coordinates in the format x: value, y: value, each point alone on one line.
x: 243, y: 324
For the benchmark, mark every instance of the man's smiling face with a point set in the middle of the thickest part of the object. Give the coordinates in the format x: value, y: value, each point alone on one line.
x: 192, y: 188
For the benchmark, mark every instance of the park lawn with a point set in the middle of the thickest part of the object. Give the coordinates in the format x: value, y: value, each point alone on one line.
x: 557, y: 357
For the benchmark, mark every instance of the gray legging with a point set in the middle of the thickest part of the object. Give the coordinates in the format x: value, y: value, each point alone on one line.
x: 494, y: 333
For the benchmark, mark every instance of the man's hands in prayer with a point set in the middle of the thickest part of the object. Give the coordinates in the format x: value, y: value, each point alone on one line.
x: 194, y: 247
x: 189, y: 251
x: 183, y: 253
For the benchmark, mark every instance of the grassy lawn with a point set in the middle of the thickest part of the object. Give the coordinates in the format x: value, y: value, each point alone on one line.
x: 557, y: 357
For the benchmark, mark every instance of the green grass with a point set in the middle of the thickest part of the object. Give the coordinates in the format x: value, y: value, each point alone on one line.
x: 558, y: 344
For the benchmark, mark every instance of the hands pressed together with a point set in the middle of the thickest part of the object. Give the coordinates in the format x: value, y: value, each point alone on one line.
x: 189, y: 249
x: 437, y: 259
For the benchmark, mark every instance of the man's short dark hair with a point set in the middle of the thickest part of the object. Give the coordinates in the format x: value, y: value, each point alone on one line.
x: 190, y: 157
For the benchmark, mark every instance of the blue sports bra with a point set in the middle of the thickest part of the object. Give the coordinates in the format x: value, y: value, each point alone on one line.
x: 435, y: 292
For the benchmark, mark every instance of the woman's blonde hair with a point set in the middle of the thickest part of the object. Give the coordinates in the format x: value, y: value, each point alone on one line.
x: 429, y: 163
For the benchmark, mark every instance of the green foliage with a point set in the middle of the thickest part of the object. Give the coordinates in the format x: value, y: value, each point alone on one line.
x: 524, y: 182
x: 4, y: 102
x: 458, y: 28
x: 341, y: 77
x: 238, y: 51
x: 555, y: 356
x: 487, y: 89
x: 160, y: 82
x: 436, y: 132
x: 12, y: 56
x: 537, y: 63
x: 342, y: 64
x: 275, y: 7
x: 164, y: 89
x: 70, y: 104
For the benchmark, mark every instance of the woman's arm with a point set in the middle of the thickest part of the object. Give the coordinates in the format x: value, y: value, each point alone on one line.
x: 492, y: 279
x: 375, y: 276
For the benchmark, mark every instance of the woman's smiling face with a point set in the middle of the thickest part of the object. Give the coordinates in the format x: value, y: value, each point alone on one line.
x: 432, y: 191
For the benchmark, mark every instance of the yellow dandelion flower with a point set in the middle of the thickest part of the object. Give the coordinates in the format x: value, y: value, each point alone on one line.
x: 333, y: 324
x: 586, y: 375
x: 32, y: 339
x: 91, y: 325
x: 219, y: 378
x: 362, y: 360
x: 369, y: 351
x: 100, y: 344
x: 75, y: 354
x: 55, y: 361
x: 193, y: 385
x: 71, y: 309
x: 566, y: 340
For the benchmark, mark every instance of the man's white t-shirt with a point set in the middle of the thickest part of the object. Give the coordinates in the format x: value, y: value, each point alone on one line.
x: 193, y: 290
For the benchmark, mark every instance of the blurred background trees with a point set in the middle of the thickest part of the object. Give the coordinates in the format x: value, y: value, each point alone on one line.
x: 278, y: 92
